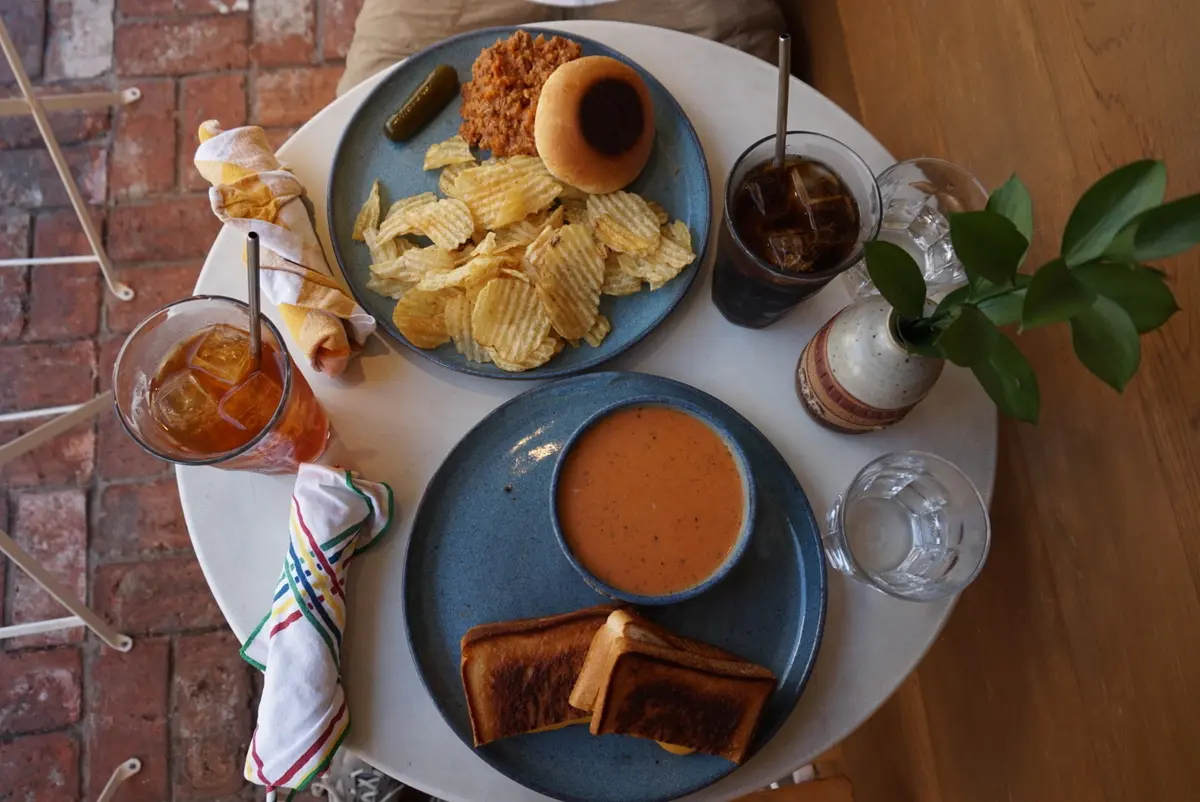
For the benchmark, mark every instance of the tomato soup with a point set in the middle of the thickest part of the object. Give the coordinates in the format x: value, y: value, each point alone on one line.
x: 650, y: 500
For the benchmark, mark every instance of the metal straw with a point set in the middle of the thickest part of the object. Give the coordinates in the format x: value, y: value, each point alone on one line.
x: 781, y: 107
x: 252, y: 277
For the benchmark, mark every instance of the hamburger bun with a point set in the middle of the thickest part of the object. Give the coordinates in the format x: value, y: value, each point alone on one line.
x: 594, y: 125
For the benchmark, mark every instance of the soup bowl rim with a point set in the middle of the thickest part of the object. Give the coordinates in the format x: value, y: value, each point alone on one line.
x: 749, y: 501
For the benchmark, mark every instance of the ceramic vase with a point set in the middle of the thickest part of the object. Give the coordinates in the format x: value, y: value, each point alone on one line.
x: 855, y: 376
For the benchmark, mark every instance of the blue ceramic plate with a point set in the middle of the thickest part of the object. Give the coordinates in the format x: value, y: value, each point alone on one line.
x: 676, y: 176
x: 483, y: 549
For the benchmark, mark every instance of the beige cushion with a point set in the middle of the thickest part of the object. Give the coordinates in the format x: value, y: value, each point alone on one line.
x: 389, y: 30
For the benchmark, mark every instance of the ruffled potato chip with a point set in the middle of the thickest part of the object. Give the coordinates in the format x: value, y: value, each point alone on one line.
x: 421, y: 318
x: 419, y: 261
x: 624, y: 222
x: 660, y: 213
x: 398, y: 221
x: 384, y: 250
x: 368, y: 215
x: 508, y: 319
x: 599, y: 330
x: 449, y: 175
x: 500, y: 194
x: 570, y: 271
x: 576, y: 212
x: 447, y: 222
x: 454, y: 150
x: 388, y: 287
x: 617, y: 281
x: 458, y: 326
x: 544, y: 352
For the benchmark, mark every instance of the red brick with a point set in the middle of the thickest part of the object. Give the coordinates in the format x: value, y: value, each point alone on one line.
x: 277, y: 136
x: 285, y: 32
x: 39, y: 690
x: 28, y: 179
x: 119, y: 457
x: 43, y: 768
x: 51, y: 526
x: 127, y: 716
x: 156, y: 287
x: 161, y: 595
x: 26, y: 23
x: 211, y: 713
x: 69, y: 127
x: 208, y: 97
x: 337, y: 23
x: 37, y: 376
x: 292, y: 96
x: 182, y: 46
x: 69, y: 458
x: 140, y: 519
x: 64, y: 300
x: 143, y: 155
x: 14, y: 281
x: 171, y: 228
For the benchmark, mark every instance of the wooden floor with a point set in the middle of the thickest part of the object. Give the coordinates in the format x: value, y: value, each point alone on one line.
x: 1071, y: 669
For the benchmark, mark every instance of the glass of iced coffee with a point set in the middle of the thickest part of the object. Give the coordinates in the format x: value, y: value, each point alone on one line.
x: 788, y: 229
x: 188, y: 391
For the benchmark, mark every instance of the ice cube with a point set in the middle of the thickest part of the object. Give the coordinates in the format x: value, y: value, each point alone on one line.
x: 900, y: 212
x: 769, y: 193
x: 791, y: 249
x: 224, y: 354
x: 928, y: 227
x: 250, y: 405
x: 182, y: 404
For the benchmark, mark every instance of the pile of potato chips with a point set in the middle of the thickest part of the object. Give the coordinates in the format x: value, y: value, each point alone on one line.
x: 518, y: 260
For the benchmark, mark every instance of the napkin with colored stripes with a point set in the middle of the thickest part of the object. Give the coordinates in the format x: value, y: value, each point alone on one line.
x: 302, y: 718
x: 252, y: 191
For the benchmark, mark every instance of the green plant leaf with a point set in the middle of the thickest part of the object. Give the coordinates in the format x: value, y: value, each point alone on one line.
x: 897, y: 277
x: 1167, y: 230
x: 1004, y: 308
x: 1054, y: 295
x: 1012, y: 201
x: 1140, y: 291
x: 1106, y: 342
x: 988, y: 245
x: 1009, y: 380
x: 969, y: 338
x: 1108, y: 205
x: 953, y: 298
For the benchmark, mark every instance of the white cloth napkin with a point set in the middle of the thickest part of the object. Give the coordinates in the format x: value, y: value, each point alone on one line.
x: 302, y: 717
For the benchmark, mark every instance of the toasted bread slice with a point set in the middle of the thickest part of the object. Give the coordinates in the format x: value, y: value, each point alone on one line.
x: 517, y: 675
x: 628, y: 624
x: 677, y: 697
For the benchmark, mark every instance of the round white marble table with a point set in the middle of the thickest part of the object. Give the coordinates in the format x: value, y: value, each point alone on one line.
x: 398, y: 416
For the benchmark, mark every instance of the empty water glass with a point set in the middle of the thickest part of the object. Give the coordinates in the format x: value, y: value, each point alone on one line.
x: 912, y: 525
x: 917, y: 196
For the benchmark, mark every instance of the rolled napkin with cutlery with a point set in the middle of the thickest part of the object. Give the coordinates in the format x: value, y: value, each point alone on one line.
x: 302, y: 717
x: 252, y: 191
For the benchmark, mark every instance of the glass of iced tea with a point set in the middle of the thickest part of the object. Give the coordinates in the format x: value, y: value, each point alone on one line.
x: 186, y: 390
x: 788, y: 231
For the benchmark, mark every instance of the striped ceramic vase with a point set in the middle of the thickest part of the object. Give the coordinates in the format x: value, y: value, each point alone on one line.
x: 854, y: 376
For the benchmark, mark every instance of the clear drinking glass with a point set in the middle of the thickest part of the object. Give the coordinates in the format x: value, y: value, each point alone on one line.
x: 185, y: 371
x: 917, y: 195
x: 912, y: 525
x: 753, y: 293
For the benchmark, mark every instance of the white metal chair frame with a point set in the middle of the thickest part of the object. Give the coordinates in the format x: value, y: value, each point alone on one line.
x: 81, y: 615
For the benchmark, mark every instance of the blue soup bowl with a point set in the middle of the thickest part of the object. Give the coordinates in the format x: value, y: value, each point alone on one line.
x: 748, y: 510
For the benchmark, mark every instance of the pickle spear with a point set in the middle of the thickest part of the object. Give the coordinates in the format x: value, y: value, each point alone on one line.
x: 423, y: 104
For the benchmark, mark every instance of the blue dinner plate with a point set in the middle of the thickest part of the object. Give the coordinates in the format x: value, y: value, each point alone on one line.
x: 483, y: 550
x: 676, y: 176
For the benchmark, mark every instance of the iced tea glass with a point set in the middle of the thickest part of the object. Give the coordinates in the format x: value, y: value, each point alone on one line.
x: 185, y: 391
x: 748, y: 290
